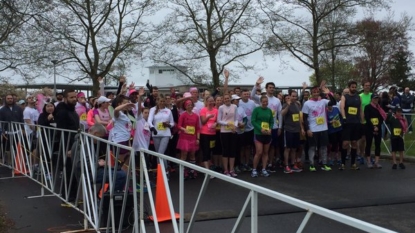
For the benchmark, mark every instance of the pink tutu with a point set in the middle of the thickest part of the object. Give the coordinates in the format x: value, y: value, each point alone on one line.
x: 184, y: 144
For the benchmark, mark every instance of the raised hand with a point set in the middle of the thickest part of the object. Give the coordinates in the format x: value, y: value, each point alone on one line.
x: 122, y: 79
x: 100, y: 79
x: 132, y: 85
x: 141, y: 91
x: 260, y: 80
x: 226, y: 73
x: 305, y: 85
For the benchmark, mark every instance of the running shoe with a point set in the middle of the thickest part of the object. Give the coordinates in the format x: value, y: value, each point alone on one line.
x: 394, y: 166
x: 287, y: 170
x: 299, y: 165
x: 325, y: 168
x: 271, y: 168
x: 402, y: 166
x: 312, y: 168
x: 354, y: 167
x: 226, y: 173
x: 341, y: 168
x: 237, y: 169
x: 296, y: 169
x: 254, y: 173
x: 247, y: 168
x: 242, y: 168
x: 370, y: 165
x: 233, y: 174
x: 377, y: 165
x: 264, y: 173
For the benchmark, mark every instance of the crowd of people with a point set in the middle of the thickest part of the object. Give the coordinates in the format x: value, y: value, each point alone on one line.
x: 256, y: 131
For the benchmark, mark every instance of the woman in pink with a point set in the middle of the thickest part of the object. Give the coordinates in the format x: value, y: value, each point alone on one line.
x: 188, y: 142
x: 208, y: 117
x: 101, y: 114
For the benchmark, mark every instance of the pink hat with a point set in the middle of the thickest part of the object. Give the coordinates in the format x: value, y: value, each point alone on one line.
x: 80, y: 94
x: 132, y: 91
x: 193, y: 89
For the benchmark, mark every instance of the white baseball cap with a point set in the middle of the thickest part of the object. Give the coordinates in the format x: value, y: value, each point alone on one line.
x: 103, y: 99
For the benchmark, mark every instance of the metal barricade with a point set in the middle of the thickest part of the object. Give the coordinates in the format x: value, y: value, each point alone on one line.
x: 66, y: 164
x: 252, y: 199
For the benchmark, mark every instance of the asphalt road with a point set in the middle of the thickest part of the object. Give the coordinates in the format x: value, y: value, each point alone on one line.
x: 384, y: 197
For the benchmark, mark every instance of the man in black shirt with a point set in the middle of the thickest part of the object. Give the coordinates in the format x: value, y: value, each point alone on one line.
x: 10, y: 112
x: 351, y: 111
x: 67, y: 118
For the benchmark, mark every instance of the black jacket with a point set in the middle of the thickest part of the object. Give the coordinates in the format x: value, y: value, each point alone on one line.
x: 15, y: 114
x: 67, y: 118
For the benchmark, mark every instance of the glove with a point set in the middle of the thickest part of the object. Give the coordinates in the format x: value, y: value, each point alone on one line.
x: 152, y: 129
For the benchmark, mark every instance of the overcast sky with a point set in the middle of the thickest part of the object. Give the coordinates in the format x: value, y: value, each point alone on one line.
x: 292, y: 73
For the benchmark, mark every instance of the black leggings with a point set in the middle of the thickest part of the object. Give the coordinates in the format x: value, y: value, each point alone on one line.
x: 369, y: 137
x: 207, y: 143
x: 228, y: 141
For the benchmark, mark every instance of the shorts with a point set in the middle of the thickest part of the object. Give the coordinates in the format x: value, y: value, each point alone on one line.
x: 351, y: 131
x: 274, y: 135
x: 264, y: 139
x: 291, y: 140
x: 362, y: 130
x: 248, y: 138
x: 319, y: 139
x: 397, y: 144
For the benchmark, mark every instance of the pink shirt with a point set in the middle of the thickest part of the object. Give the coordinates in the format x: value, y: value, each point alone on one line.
x: 209, y: 128
x: 189, y: 121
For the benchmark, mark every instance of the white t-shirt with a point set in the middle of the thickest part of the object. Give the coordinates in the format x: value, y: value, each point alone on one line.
x: 317, y: 114
x: 142, y: 134
x: 122, y: 128
x: 31, y: 114
x: 156, y: 121
x: 198, y: 106
x: 249, y: 107
x: 275, y: 105
x: 240, y: 115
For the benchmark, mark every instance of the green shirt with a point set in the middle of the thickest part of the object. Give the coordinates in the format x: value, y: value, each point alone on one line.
x: 366, y: 99
x: 262, y: 118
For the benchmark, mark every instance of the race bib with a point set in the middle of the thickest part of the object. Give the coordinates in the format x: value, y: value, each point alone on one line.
x: 82, y: 117
x: 296, y: 117
x: 230, y: 126
x: 336, y: 124
x: 273, y: 113
x: 212, y: 144
x: 375, y: 121
x: 265, y: 125
x: 352, y: 111
x: 320, y: 120
x: 190, y: 129
x: 397, y: 131
x: 217, y: 127
x: 160, y: 126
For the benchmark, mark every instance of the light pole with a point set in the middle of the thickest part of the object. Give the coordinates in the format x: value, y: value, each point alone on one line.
x: 54, y: 77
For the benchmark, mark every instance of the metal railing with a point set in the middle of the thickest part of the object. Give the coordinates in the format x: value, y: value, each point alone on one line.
x: 252, y: 200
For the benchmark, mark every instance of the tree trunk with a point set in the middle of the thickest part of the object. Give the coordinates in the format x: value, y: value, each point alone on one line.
x: 95, y: 85
x: 214, y: 69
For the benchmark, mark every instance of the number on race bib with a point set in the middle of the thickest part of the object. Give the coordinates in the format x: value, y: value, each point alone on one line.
x: 83, y: 117
x: 336, y: 124
x: 212, y: 144
x: 397, y: 131
x: 265, y: 125
x: 273, y: 113
x: 320, y: 120
x: 190, y: 129
x: 160, y: 126
x: 375, y: 121
x: 230, y: 126
x: 296, y: 117
x: 352, y: 111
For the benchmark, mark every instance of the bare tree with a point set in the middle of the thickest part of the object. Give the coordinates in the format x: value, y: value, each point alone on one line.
x: 299, y: 27
x: 88, y: 37
x: 201, y: 37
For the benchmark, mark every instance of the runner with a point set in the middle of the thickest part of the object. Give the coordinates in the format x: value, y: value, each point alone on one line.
x: 352, y: 113
x: 315, y: 113
x: 262, y: 120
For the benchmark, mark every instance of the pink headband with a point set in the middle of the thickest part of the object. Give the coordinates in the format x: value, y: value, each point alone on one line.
x: 192, y: 89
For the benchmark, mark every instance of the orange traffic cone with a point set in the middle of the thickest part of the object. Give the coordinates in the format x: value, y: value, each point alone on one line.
x: 162, y: 205
x: 20, y: 165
